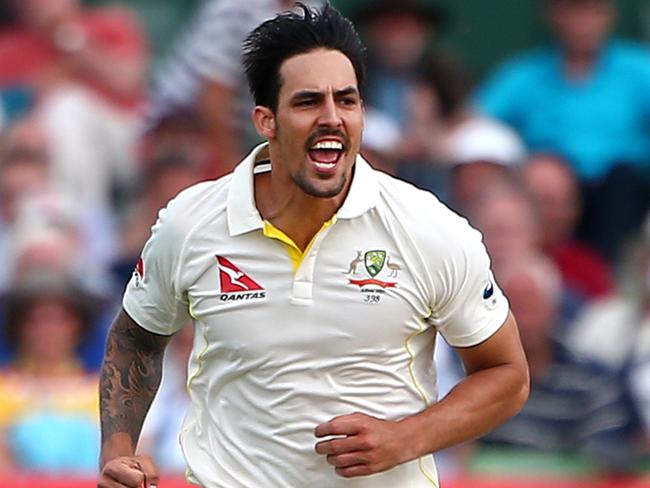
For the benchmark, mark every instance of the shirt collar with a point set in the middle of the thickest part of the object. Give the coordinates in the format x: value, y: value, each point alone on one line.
x: 364, y: 191
x: 243, y: 215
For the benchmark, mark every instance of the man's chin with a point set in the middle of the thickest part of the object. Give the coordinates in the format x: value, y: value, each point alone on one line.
x: 322, y: 189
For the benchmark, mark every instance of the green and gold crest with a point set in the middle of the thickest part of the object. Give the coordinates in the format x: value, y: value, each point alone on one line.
x: 374, y: 261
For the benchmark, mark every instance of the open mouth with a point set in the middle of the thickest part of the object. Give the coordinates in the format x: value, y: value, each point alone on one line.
x: 325, y: 155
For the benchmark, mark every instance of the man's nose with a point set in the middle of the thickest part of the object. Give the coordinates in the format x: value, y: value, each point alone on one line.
x: 330, y: 116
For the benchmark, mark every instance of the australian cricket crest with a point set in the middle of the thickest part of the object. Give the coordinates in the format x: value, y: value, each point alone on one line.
x: 374, y: 262
x: 372, y: 273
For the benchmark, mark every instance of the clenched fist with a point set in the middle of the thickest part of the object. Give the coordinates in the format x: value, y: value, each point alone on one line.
x: 366, y: 445
x: 129, y: 472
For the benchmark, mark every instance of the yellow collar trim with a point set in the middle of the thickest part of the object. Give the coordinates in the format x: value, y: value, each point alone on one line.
x: 295, y: 254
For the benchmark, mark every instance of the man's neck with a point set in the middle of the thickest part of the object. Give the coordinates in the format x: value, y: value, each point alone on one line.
x: 298, y: 215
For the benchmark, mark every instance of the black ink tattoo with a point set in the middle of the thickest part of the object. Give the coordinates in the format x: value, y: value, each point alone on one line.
x: 130, y: 376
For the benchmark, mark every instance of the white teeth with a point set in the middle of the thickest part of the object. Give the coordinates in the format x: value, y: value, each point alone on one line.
x: 324, y: 165
x: 328, y: 145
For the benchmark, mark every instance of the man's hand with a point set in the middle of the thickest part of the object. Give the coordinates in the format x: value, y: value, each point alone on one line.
x: 367, y: 445
x: 129, y: 472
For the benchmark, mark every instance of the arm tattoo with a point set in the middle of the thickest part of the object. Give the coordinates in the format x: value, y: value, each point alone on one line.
x: 130, y: 377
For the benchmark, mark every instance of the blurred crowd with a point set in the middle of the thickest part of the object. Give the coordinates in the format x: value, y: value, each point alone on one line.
x: 548, y: 155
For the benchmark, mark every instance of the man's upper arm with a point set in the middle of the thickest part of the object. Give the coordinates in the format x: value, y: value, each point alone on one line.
x: 154, y: 298
x: 131, y: 335
x: 501, y: 349
x: 468, y: 305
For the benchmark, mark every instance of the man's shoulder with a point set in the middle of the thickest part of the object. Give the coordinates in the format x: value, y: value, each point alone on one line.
x: 398, y: 191
x: 197, y: 202
x: 419, y: 211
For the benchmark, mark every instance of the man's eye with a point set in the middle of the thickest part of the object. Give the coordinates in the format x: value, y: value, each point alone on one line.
x: 349, y: 101
x: 305, y: 103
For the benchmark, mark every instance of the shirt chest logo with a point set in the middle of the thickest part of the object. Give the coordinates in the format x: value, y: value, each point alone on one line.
x: 235, y: 284
x: 379, y: 269
x: 379, y: 272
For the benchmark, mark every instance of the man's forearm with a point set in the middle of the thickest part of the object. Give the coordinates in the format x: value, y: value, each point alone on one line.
x: 475, y: 406
x: 130, y: 376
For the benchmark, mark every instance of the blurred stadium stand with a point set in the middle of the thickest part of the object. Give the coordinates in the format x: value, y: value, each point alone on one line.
x: 482, y: 33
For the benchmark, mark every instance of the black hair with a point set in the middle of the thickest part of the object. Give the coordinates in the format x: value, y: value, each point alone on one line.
x: 289, y: 34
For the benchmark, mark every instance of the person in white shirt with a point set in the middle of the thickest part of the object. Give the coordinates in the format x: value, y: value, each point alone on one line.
x: 317, y: 287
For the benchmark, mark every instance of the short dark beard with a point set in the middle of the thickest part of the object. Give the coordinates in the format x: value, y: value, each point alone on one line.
x: 313, y: 191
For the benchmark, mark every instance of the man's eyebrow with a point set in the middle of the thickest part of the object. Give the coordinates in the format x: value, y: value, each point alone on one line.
x: 343, y: 92
x: 307, y: 94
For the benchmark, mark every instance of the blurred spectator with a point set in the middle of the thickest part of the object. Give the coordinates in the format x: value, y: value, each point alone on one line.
x: 534, y: 289
x: 85, y: 70
x: 181, y: 132
x: 557, y: 196
x: 507, y: 217
x: 40, y: 228
x: 380, y: 142
x: 24, y: 172
x: 29, y: 205
x: 587, y: 98
x: 164, y: 421
x: 609, y: 330
x: 205, y: 74
x: 48, y: 403
x: 483, y: 153
x: 639, y: 314
x: 409, y: 80
x: 509, y: 220
x: 574, y: 405
x: 164, y: 178
x: 49, y: 236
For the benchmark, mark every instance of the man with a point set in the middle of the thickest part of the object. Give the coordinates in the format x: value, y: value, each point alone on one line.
x: 555, y: 191
x: 585, y: 97
x: 316, y: 286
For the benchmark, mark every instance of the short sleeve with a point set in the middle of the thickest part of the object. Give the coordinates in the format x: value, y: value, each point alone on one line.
x: 469, y: 306
x: 152, y: 297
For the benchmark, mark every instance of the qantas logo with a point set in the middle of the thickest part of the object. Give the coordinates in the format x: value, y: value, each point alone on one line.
x: 235, y: 284
x: 138, y: 272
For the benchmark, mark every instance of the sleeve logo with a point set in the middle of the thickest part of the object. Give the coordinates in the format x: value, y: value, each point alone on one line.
x: 138, y: 272
x: 488, y: 291
x: 489, y: 298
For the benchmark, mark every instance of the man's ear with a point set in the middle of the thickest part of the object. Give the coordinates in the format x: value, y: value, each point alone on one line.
x: 264, y: 120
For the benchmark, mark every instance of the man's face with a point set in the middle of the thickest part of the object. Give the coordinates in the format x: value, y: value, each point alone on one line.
x: 556, y: 193
x: 315, y: 132
x: 50, y: 329
x: 399, y: 38
x: 581, y: 25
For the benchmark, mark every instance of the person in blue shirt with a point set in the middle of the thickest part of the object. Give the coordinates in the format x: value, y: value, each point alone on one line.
x: 585, y: 96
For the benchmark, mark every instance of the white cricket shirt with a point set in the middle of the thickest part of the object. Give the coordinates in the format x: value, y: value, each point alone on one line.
x: 286, y: 341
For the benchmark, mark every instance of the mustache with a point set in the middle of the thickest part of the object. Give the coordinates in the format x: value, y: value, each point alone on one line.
x: 320, y: 133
